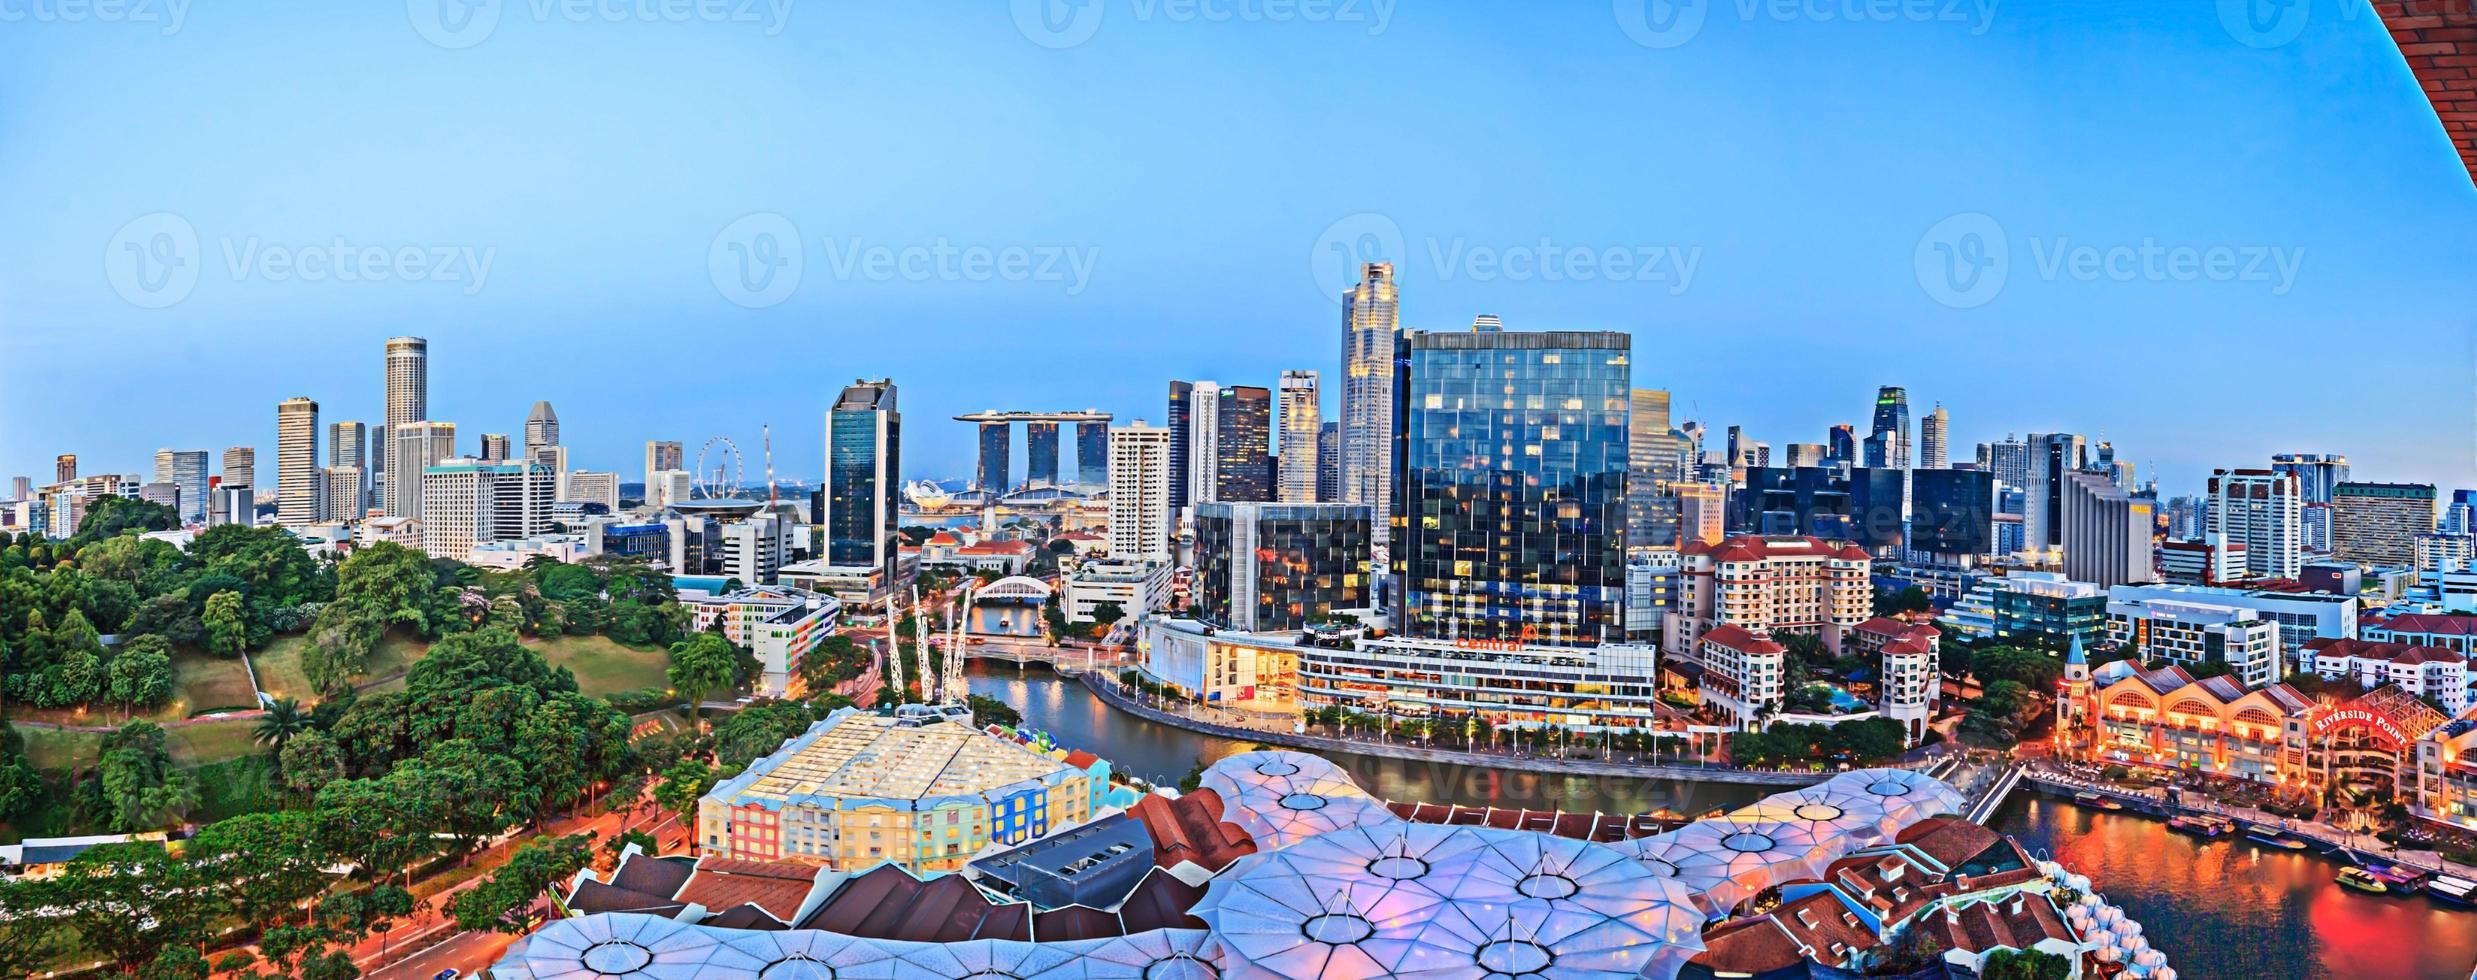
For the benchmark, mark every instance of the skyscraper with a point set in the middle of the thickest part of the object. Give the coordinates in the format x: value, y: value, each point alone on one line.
x: 64, y: 467
x: 1370, y: 324
x: 1933, y: 431
x: 1842, y: 447
x: 1181, y: 419
x: 348, y: 448
x: 2010, y: 462
x: 864, y: 477
x: 415, y: 447
x: 1328, y: 462
x: 2052, y: 459
x: 345, y: 490
x: 2316, y: 475
x: 185, y: 469
x: 465, y: 502
x: 1139, y: 493
x: 240, y: 468
x: 1262, y: 566
x: 299, y: 490
x: 1092, y: 455
x: 1654, y: 464
x: 1040, y: 451
x: 1200, y: 462
x: 1511, y: 477
x: 21, y: 488
x: 660, y: 455
x: 2378, y: 523
x: 2262, y: 511
x: 2106, y: 532
x: 1952, y: 512
x: 1301, y: 423
x: 497, y: 447
x: 408, y: 401
x: 541, y: 429
x: 1243, y: 444
x: 997, y: 445
x: 1892, y: 424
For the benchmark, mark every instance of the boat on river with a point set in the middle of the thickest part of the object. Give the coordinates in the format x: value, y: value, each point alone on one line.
x: 2096, y: 801
x: 2359, y: 879
x: 2452, y: 890
x: 2273, y: 837
x: 2200, y: 825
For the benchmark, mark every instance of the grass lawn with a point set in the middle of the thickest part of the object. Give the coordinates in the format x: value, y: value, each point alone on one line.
x: 199, y: 683
x: 279, y: 665
x: 605, y: 666
x: 51, y: 748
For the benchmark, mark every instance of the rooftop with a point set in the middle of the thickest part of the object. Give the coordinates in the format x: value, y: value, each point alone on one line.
x: 862, y: 756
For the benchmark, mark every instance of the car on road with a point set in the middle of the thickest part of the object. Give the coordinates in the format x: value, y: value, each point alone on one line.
x: 451, y: 973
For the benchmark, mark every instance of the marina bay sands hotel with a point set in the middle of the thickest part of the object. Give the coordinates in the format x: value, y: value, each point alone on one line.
x: 1040, y: 430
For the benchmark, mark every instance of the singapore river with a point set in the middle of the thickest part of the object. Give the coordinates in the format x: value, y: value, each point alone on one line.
x: 2233, y: 910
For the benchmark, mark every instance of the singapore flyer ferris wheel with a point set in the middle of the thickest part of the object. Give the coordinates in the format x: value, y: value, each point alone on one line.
x: 718, y: 469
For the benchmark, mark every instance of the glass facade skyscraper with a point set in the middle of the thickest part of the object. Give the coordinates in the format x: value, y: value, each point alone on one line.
x: 1279, y: 566
x: 1510, y: 477
x: 864, y: 459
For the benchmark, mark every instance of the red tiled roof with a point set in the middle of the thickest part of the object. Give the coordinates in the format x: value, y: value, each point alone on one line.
x: 2438, y: 39
x: 1740, y: 639
x: 1190, y: 828
x: 1760, y: 547
x: 776, y: 887
x: 995, y: 548
x: 1081, y: 759
x: 1749, y: 947
x: 2427, y: 623
x: 2019, y: 921
x: 2398, y: 653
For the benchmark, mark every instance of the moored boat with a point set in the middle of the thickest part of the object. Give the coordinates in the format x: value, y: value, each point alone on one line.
x: 2096, y: 801
x: 2207, y: 828
x: 2452, y: 890
x: 2359, y: 879
x: 2269, y: 836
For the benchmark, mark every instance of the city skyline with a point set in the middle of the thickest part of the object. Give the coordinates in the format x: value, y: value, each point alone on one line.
x: 1249, y: 284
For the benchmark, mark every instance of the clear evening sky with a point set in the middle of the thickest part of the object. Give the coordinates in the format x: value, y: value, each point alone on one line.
x: 2207, y: 232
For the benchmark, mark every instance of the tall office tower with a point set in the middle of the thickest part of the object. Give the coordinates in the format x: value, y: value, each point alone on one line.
x: 1040, y: 454
x: 465, y: 502
x: 2106, y: 532
x: 299, y: 492
x: 1798, y: 454
x: 1932, y: 433
x: 1140, y: 482
x: 2263, y: 512
x: 1301, y: 421
x: 1262, y: 566
x: 185, y: 469
x: 2052, y: 458
x: 541, y: 429
x: 1182, y: 422
x: 64, y: 467
x: 21, y: 488
x: 162, y: 492
x: 1842, y: 447
x: 2187, y: 519
x: 240, y: 467
x: 660, y: 455
x: 996, y: 446
x: 1653, y: 466
x: 2459, y: 516
x: 347, y: 444
x: 1370, y: 323
x: 1328, y: 462
x: 408, y: 401
x: 590, y: 487
x: 1200, y: 463
x: 555, y: 457
x: 1511, y: 474
x: 2010, y: 462
x: 1243, y: 444
x: 864, y: 482
x: 2378, y: 523
x: 1952, y: 512
x: 1487, y: 323
x: 1092, y: 455
x: 345, y: 492
x: 497, y: 448
x: 2317, y: 475
x: 1892, y: 423
x: 415, y: 447
x: 1735, y: 456
x: 1858, y: 504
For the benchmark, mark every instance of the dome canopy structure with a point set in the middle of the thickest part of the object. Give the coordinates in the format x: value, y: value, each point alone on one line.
x: 1283, y: 798
x: 1427, y: 900
x: 626, y: 945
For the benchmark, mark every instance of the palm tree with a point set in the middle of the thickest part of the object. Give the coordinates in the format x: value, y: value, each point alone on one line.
x: 283, y: 720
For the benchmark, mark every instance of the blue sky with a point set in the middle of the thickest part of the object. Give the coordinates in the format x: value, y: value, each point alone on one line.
x: 2217, y: 242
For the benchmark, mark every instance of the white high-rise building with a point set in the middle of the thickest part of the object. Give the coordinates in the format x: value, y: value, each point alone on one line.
x: 1204, y: 444
x: 240, y: 468
x: 344, y: 493
x: 299, y: 492
x: 1934, y: 435
x: 660, y: 455
x: 2262, y: 510
x: 465, y: 502
x: 541, y: 429
x: 586, y: 486
x: 348, y: 445
x: 1301, y: 419
x: 555, y: 457
x: 1139, y: 493
x: 2106, y: 532
x: 669, y: 488
x: 185, y: 469
x: 1371, y: 322
x: 408, y: 401
x: 415, y: 447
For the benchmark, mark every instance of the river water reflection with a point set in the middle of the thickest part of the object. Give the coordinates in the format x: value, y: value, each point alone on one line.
x: 2223, y: 909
